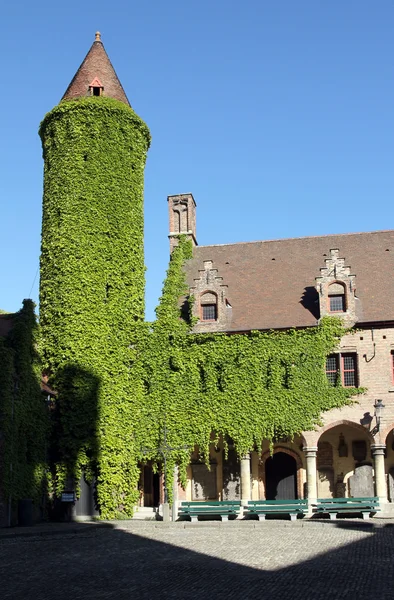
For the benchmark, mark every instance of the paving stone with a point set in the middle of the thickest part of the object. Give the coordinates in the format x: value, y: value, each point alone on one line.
x: 273, y: 560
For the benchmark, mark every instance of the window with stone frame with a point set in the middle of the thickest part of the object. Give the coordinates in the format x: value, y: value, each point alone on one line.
x: 342, y: 368
x: 336, y: 298
x: 209, y: 312
x: 209, y: 307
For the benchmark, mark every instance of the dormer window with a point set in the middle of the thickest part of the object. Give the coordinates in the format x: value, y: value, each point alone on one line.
x: 336, y: 298
x: 336, y: 287
x: 96, y: 88
x: 337, y: 303
x: 209, y: 312
x: 209, y: 307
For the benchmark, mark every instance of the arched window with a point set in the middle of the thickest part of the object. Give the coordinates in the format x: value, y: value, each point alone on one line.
x: 177, y: 221
x: 336, y: 298
x: 209, y: 307
x: 183, y: 218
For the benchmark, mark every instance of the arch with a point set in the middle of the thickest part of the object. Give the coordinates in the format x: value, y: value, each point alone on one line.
x: 299, y: 467
x: 279, y: 448
x: 336, y: 287
x: 303, y: 440
x: 208, y: 296
x: 387, y: 431
x: 352, y: 424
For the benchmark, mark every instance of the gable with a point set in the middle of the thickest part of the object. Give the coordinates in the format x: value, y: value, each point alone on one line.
x: 272, y: 284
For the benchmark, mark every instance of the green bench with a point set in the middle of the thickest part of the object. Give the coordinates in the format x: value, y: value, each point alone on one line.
x: 261, y: 508
x: 223, y: 508
x: 333, y: 506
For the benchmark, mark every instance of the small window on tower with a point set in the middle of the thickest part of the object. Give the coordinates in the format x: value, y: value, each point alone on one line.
x: 96, y: 88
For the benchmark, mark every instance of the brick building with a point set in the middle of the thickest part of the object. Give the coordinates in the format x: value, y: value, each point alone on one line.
x: 282, y: 284
x: 292, y: 283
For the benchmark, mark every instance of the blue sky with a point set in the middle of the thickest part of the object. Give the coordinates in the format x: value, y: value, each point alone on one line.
x: 277, y: 116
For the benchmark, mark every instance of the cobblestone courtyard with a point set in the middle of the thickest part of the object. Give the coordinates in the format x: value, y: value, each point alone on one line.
x: 245, y: 560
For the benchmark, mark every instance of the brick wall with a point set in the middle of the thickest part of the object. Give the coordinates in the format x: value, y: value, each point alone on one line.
x: 182, y: 218
x: 374, y: 362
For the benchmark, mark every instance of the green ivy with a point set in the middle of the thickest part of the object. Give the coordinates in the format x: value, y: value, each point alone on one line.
x: 121, y: 381
x: 203, y: 387
x: 92, y: 289
x: 23, y: 413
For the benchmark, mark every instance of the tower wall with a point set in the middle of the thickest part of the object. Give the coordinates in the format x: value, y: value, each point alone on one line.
x: 92, y: 283
x: 92, y: 263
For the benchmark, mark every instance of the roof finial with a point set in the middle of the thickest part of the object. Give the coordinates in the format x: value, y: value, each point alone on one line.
x: 98, y: 36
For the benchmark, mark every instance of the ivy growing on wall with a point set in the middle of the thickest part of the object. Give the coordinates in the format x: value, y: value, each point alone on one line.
x: 92, y: 289
x: 119, y: 380
x: 250, y: 387
x: 23, y: 415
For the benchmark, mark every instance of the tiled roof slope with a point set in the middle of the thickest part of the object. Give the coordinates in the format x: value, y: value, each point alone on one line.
x: 96, y: 64
x: 271, y: 284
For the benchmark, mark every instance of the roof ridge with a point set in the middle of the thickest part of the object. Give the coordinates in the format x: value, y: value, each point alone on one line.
x: 306, y: 237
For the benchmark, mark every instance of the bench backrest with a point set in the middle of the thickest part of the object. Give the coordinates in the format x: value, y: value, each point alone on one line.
x: 223, y: 503
x: 367, y: 500
x: 278, y: 502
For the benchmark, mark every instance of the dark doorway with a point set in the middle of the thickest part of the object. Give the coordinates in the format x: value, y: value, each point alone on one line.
x: 280, y: 477
x: 151, y: 487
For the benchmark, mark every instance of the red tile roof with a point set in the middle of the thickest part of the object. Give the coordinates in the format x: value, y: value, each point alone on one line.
x: 271, y: 284
x: 96, y: 64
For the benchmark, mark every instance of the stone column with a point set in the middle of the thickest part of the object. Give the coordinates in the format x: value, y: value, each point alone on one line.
x: 175, y: 501
x: 311, y: 478
x: 245, y: 479
x: 380, y: 476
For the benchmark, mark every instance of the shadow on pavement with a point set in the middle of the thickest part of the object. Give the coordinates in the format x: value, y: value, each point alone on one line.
x: 109, y: 563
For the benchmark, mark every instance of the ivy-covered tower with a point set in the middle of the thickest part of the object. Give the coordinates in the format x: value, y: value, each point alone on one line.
x: 92, y: 275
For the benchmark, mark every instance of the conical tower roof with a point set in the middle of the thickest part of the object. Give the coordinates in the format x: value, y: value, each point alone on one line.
x: 96, y: 70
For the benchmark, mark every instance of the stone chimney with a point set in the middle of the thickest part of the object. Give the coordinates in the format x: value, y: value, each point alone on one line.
x: 182, y: 218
